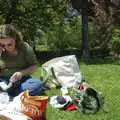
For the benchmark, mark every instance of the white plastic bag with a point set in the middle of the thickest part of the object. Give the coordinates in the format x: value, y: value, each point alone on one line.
x: 12, y: 109
x: 66, y: 70
x: 4, y: 100
x: 13, y: 115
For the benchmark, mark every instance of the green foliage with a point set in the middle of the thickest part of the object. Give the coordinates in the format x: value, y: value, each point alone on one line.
x: 116, y: 42
x: 32, y: 15
x: 42, y: 23
x: 64, y: 36
x: 99, y: 34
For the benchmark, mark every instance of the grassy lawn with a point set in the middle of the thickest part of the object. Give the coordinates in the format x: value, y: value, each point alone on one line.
x: 105, y: 76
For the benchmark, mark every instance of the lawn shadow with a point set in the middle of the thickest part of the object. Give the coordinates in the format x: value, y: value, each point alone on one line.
x: 100, y: 61
x: 108, y: 60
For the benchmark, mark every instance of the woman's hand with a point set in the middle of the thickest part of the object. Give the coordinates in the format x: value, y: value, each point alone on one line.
x: 25, y: 72
x: 1, y: 50
x: 16, y: 77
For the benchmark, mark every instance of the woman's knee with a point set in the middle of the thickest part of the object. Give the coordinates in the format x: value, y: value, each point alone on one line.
x: 35, y: 86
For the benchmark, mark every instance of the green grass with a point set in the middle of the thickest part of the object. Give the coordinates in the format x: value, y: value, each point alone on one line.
x: 105, y: 76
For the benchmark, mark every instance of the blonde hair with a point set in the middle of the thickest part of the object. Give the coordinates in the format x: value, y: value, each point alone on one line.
x: 8, y: 30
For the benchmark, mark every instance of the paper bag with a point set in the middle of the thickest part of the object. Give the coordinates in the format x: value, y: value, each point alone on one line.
x: 34, y: 106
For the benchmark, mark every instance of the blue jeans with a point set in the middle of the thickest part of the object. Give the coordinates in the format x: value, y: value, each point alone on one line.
x: 34, y: 86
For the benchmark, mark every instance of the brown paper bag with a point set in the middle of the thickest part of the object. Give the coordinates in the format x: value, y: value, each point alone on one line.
x: 34, y: 106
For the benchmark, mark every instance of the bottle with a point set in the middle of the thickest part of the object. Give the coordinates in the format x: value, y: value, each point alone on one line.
x: 64, y: 90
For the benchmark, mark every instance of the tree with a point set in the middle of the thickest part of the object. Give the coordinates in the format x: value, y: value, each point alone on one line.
x: 31, y: 15
x: 82, y: 5
x: 103, y: 15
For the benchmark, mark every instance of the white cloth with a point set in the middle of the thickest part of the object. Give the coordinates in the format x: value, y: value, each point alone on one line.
x: 4, y: 100
x: 55, y: 104
x: 11, y: 109
x: 14, y: 115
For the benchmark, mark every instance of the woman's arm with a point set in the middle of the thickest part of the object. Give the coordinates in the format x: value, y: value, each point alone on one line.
x: 25, y: 72
x: 29, y: 70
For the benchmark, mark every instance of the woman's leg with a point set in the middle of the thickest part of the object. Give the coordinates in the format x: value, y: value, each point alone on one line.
x: 35, y: 86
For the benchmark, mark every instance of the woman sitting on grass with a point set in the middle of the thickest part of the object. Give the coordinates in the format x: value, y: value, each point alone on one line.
x: 20, y: 62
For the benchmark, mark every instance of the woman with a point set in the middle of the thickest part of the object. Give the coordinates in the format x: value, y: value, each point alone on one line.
x: 20, y: 62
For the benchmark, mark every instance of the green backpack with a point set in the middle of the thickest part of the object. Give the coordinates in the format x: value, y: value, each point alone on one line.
x: 87, y: 99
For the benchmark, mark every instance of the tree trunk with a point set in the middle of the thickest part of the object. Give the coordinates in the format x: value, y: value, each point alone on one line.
x: 84, y: 48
